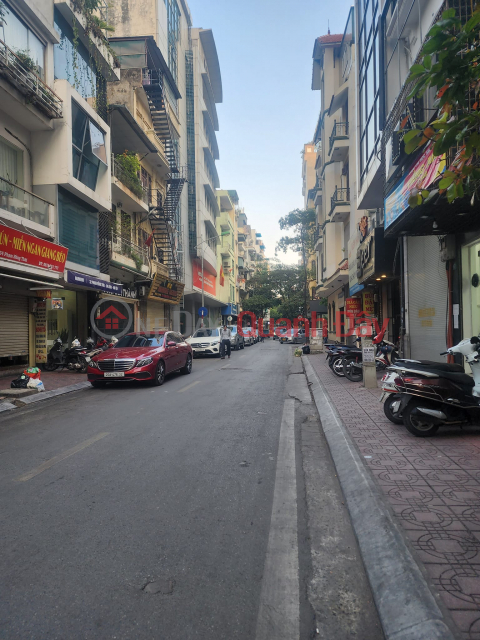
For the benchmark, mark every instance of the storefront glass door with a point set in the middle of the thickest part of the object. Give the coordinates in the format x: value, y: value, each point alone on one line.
x: 471, y: 290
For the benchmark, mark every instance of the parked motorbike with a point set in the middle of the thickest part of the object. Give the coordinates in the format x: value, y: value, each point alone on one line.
x: 335, y: 353
x: 426, y: 395
x: 72, y: 358
x: 386, y: 354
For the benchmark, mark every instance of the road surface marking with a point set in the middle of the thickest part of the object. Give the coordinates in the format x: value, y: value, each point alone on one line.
x: 279, y: 612
x: 61, y: 456
x: 189, y: 386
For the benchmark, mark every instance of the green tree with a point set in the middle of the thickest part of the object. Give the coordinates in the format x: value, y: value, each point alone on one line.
x: 449, y: 64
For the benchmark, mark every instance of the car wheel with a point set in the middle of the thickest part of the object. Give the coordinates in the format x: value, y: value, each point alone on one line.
x: 97, y: 384
x: 188, y: 366
x: 242, y: 346
x: 159, y: 378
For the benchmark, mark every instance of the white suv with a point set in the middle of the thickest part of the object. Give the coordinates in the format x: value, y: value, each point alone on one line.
x: 205, y: 342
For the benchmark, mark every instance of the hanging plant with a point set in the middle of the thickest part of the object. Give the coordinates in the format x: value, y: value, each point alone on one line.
x: 3, y: 13
x: 27, y: 61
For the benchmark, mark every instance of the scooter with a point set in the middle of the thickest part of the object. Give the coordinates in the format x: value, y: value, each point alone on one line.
x: 386, y: 354
x: 426, y: 395
x: 335, y: 353
x: 72, y: 358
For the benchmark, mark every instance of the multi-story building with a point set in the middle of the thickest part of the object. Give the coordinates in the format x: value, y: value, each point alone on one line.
x: 333, y: 59
x: 227, y: 265
x: 55, y: 171
x: 310, y: 186
x: 437, y: 243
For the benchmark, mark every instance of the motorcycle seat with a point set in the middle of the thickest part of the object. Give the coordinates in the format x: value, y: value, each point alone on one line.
x: 429, y: 364
x: 460, y: 378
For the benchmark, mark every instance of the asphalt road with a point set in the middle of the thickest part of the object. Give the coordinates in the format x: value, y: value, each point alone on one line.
x: 146, y: 513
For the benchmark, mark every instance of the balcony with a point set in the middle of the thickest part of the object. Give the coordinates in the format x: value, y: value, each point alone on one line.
x: 28, y: 83
x: 340, y: 204
x: 318, y: 196
x: 318, y: 237
x: 128, y: 189
x: 24, y: 204
x: 124, y: 253
x: 338, y: 149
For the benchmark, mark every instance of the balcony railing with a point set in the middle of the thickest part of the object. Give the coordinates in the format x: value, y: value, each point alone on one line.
x: 317, y: 234
x: 28, y: 83
x: 340, y: 130
x: 129, y: 249
x: 340, y: 196
x: 23, y: 203
x: 134, y: 185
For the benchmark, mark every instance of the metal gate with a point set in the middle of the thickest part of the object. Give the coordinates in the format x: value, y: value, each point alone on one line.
x: 427, y: 298
x: 13, y: 325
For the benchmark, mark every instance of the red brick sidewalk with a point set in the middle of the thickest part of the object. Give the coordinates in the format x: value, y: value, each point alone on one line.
x: 432, y: 486
x: 51, y: 379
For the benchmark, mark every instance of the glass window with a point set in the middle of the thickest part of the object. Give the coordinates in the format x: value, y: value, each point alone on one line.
x: 11, y: 162
x: 78, y: 229
x: 87, y: 151
x: 75, y: 63
x: 23, y: 41
x: 206, y: 333
x: 97, y: 138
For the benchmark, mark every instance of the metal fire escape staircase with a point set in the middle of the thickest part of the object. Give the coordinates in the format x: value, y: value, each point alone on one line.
x: 162, y: 214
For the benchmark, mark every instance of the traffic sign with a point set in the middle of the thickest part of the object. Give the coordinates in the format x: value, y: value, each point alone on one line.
x: 202, y: 312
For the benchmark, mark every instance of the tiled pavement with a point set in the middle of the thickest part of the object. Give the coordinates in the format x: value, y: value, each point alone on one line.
x: 51, y: 379
x: 432, y: 486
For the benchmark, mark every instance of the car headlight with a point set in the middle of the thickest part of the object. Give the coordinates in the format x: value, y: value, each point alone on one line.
x: 143, y: 362
x: 214, y: 343
x: 93, y: 364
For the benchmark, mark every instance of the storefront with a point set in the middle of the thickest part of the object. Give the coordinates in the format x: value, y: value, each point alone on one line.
x: 30, y: 269
x: 156, y: 311
x: 378, y: 268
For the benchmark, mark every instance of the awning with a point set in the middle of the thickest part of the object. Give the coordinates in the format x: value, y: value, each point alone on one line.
x: 126, y: 133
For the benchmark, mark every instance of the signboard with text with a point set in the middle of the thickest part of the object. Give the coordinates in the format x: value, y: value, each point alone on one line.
x: 91, y: 282
x: 23, y: 248
x: 425, y: 171
x: 210, y: 282
x: 165, y: 290
x: 368, y: 303
x: 41, y: 332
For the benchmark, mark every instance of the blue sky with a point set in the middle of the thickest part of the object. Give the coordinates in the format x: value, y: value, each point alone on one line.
x: 269, y: 110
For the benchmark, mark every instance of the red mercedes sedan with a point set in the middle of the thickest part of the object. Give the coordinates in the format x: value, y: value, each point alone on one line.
x: 142, y: 356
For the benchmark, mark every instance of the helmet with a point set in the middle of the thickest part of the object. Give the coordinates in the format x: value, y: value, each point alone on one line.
x: 114, y: 340
x: 76, y: 342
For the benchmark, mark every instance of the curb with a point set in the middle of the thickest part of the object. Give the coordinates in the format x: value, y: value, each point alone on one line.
x: 44, y: 395
x: 405, y: 604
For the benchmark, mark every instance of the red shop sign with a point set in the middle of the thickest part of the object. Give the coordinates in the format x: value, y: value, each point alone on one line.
x: 23, y: 248
x: 210, y: 283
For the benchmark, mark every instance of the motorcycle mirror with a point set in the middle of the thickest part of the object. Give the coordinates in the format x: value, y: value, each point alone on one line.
x: 474, y: 340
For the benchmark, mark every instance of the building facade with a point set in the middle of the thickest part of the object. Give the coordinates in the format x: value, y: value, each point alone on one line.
x: 55, y: 171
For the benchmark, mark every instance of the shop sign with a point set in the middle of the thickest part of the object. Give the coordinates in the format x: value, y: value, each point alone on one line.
x: 26, y: 249
x: 165, y: 290
x: 44, y: 293
x: 210, y: 282
x: 353, y: 306
x: 425, y: 171
x: 41, y: 332
x: 129, y: 293
x: 353, y: 283
x: 366, y: 258
x: 363, y: 228
x: 368, y: 303
x: 73, y: 277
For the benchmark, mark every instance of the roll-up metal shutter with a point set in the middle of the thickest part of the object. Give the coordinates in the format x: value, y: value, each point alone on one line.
x: 156, y: 315
x: 13, y: 325
x: 427, y: 298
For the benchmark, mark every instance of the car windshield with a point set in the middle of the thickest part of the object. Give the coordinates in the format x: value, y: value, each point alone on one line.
x: 139, y: 341
x: 206, y: 333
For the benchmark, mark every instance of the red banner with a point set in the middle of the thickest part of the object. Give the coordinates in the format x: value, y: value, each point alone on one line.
x: 210, y: 282
x: 26, y: 249
x: 353, y: 306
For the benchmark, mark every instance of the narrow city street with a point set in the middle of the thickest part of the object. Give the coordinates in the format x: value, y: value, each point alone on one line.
x: 140, y: 512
